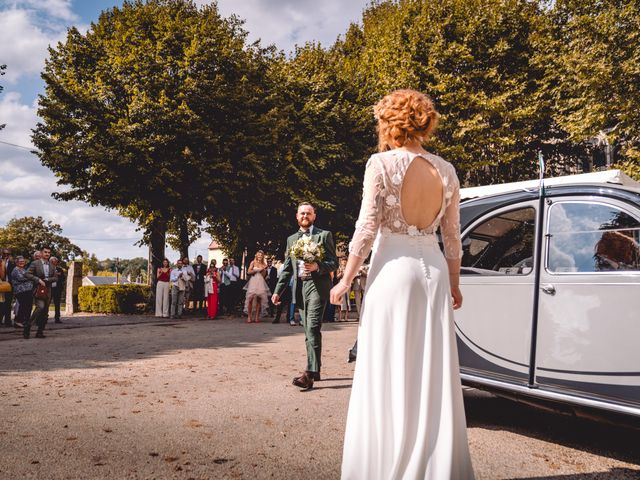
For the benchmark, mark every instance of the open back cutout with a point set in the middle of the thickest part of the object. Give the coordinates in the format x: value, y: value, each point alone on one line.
x: 421, y: 194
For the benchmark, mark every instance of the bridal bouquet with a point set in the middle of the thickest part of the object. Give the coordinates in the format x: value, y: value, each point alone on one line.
x: 307, y: 250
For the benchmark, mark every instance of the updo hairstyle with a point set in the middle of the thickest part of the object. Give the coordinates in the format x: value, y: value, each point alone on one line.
x: 402, y: 116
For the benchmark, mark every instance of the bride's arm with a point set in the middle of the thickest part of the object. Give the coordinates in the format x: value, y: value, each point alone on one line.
x: 366, y: 228
x: 450, y: 230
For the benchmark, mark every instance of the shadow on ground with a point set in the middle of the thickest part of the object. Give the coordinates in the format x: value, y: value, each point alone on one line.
x: 122, y: 339
x: 613, y: 474
x: 596, y: 437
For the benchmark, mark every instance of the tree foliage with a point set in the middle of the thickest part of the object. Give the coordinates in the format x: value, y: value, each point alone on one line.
x: 164, y: 112
x: 146, y: 111
x: 25, y: 235
x: 593, y: 71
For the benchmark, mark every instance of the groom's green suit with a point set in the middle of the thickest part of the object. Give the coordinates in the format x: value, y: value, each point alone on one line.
x: 311, y: 295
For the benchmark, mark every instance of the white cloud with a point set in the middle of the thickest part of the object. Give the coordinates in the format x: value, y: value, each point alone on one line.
x: 19, y: 119
x: 28, y: 186
x: 289, y: 22
x: 58, y: 9
x: 24, y: 43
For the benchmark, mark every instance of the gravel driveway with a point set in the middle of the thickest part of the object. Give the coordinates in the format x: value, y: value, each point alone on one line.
x: 130, y: 397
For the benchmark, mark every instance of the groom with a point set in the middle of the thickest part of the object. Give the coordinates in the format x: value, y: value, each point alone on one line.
x: 311, y: 286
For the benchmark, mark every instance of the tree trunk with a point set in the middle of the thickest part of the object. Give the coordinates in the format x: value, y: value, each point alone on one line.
x: 157, y: 238
x: 183, y: 237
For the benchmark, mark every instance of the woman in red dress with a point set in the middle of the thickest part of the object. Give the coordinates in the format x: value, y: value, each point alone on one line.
x: 211, y: 282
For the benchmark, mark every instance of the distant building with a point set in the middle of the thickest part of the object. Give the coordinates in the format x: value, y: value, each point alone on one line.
x: 94, y: 280
x: 215, y: 252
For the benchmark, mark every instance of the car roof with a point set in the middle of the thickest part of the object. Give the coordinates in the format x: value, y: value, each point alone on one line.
x: 604, y: 178
x: 498, y: 196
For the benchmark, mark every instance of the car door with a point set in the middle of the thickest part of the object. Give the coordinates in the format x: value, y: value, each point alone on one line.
x: 497, y: 282
x: 589, y: 305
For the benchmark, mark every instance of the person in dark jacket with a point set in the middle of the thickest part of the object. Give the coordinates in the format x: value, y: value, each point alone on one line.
x: 57, y: 287
x: 42, y: 273
x: 23, y: 291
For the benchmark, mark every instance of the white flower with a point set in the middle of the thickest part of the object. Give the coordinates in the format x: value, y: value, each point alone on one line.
x: 391, y: 200
x: 386, y: 230
x: 396, y: 179
x: 412, y: 230
x: 397, y: 223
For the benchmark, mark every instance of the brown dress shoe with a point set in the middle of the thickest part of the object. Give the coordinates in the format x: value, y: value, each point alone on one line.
x: 316, y: 376
x: 304, y: 381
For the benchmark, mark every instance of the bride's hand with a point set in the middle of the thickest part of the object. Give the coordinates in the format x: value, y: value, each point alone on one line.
x: 337, y: 293
x: 456, y: 294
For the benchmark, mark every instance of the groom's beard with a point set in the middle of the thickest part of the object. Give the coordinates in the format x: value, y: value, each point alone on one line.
x: 305, y: 223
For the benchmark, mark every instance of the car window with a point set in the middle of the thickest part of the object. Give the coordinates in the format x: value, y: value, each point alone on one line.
x: 500, y: 245
x: 592, y: 237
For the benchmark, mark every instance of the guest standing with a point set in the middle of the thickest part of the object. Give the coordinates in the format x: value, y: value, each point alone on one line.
x: 211, y: 282
x: 272, y: 280
x: 224, y: 288
x: 5, y: 308
x: 3, y: 276
x: 162, y: 289
x: 179, y: 278
x: 198, y: 297
x: 344, y: 307
x: 257, y: 299
x: 57, y: 287
x: 23, y: 291
x: 358, y: 287
x: 42, y: 273
x: 188, y: 290
x: 234, y: 287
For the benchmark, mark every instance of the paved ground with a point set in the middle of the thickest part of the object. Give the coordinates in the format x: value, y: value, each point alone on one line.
x: 128, y: 397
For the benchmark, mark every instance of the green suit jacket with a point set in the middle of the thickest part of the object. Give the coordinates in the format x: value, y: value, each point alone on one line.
x: 320, y: 278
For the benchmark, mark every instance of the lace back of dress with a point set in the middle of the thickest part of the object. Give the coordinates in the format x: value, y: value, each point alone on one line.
x: 381, y: 209
x: 421, y: 193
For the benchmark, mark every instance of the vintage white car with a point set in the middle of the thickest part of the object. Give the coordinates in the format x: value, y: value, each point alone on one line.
x: 551, y: 286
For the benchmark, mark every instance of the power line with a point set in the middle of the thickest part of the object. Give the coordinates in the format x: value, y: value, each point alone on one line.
x: 17, y: 146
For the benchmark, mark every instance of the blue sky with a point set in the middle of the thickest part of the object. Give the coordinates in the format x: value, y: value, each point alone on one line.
x: 27, y: 27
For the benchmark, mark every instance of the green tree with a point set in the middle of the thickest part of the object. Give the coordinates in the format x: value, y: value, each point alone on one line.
x: 89, y: 263
x: 591, y: 60
x: 25, y: 235
x: 143, y: 114
x: 474, y: 58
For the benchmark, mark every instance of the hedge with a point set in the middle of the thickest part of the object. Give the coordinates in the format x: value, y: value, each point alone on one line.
x: 114, y: 298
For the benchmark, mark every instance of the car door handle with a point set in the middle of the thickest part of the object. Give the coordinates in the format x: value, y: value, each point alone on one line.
x: 548, y: 289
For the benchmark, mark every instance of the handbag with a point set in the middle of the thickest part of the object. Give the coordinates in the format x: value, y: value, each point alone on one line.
x: 5, y: 287
x: 41, y: 292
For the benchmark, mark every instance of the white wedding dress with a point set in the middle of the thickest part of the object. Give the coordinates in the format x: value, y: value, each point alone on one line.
x: 406, y: 415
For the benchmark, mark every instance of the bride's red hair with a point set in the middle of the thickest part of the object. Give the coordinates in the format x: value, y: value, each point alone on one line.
x: 404, y: 115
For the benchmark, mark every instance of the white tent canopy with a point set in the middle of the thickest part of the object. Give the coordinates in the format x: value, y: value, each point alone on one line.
x: 609, y: 176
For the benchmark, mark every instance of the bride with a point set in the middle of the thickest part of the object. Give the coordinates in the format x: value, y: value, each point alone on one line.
x: 406, y: 414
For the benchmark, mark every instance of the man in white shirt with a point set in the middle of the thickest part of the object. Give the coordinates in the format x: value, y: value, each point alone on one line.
x: 178, y: 279
x: 190, y: 283
x: 224, y: 288
x: 234, y: 288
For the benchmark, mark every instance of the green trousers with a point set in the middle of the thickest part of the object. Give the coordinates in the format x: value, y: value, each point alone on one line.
x: 311, y: 307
